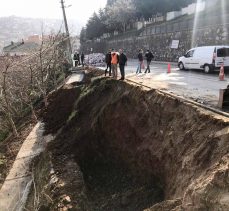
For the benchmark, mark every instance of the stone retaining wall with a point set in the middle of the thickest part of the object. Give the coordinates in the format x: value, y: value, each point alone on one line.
x: 158, y: 38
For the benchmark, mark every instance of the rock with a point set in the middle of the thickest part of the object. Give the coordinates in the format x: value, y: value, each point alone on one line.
x: 67, y: 199
x: 53, y: 180
x: 52, y: 171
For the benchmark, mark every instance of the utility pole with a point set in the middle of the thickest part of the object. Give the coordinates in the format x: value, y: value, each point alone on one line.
x: 66, y: 29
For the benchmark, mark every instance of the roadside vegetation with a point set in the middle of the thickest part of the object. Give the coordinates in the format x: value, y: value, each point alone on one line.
x: 120, y: 13
x: 27, y: 80
x: 25, y: 83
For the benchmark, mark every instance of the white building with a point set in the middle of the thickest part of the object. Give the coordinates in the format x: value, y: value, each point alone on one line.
x: 173, y: 15
x: 189, y: 10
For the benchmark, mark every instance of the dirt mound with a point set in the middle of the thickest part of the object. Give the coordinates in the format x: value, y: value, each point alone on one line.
x: 135, y: 148
x: 59, y: 108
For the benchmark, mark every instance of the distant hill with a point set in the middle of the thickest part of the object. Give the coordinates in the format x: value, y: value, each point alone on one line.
x: 16, y: 28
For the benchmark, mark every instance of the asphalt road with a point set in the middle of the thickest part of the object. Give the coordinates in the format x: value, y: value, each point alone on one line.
x: 192, y: 84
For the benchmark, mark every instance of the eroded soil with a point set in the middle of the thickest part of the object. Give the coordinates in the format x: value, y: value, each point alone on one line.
x: 124, y: 148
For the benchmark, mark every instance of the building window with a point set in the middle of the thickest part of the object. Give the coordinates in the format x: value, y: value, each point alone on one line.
x: 176, y: 26
x: 163, y: 29
x: 153, y: 30
x: 158, y: 30
x: 184, y: 25
x: 170, y: 28
x: 190, y: 24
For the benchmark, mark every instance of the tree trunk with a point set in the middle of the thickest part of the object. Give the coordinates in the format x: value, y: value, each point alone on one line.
x: 46, y: 100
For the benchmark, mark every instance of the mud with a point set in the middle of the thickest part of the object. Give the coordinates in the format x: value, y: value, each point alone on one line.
x: 124, y: 148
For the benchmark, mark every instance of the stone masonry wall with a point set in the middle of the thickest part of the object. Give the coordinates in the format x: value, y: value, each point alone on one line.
x: 159, y: 38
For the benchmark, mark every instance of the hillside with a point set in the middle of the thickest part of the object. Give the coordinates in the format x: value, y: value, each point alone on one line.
x: 16, y: 28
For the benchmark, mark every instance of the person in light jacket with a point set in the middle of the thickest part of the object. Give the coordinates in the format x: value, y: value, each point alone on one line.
x: 114, y: 63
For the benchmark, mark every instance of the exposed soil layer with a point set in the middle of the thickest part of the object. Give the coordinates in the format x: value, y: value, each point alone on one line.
x: 92, y: 73
x: 61, y: 103
x: 124, y: 148
x: 60, y: 106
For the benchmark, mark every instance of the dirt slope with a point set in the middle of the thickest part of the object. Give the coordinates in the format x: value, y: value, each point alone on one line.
x: 142, y: 144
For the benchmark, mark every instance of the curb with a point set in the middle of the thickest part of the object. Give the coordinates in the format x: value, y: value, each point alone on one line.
x: 16, y: 187
x: 182, y: 99
x: 161, y: 62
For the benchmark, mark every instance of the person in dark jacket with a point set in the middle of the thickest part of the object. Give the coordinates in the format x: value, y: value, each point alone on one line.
x: 108, y: 62
x: 75, y: 59
x: 140, y: 61
x: 122, y: 63
x: 82, y: 59
x: 149, y: 56
x: 78, y: 57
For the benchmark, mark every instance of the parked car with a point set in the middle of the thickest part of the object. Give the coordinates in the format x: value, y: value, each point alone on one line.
x: 207, y: 58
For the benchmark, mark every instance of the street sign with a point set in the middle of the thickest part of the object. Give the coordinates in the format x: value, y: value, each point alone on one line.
x: 175, y: 44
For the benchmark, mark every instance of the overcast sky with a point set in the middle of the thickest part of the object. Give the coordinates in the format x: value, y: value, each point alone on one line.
x: 80, y: 10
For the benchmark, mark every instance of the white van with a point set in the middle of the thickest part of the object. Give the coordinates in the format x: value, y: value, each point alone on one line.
x: 207, y: 58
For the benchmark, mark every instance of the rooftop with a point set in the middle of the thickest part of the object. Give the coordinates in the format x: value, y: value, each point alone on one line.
x: 24, y: 47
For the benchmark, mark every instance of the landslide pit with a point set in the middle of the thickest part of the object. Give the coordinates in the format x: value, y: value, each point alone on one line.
x: 120, y: 147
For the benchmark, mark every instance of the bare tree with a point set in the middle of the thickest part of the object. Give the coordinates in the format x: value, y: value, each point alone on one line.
x: 47, y: 64
x: 24, y: 82
x: 6, y: 95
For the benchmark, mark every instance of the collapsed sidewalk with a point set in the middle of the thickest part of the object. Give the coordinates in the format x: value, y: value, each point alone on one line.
x: 122, y: 147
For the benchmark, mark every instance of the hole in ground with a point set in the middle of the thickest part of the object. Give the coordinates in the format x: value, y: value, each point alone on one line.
x: 121, y: 136
x: 112, y: 186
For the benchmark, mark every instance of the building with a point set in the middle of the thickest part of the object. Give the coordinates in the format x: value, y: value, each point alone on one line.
x: 38, y: 38
x: 189, y: 10
x: 20, y: 48
x: 34, y: 39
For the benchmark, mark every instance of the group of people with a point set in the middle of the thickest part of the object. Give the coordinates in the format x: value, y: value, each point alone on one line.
x: 149, y: 56
x: 113, y: 59
x: 78, y: 59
